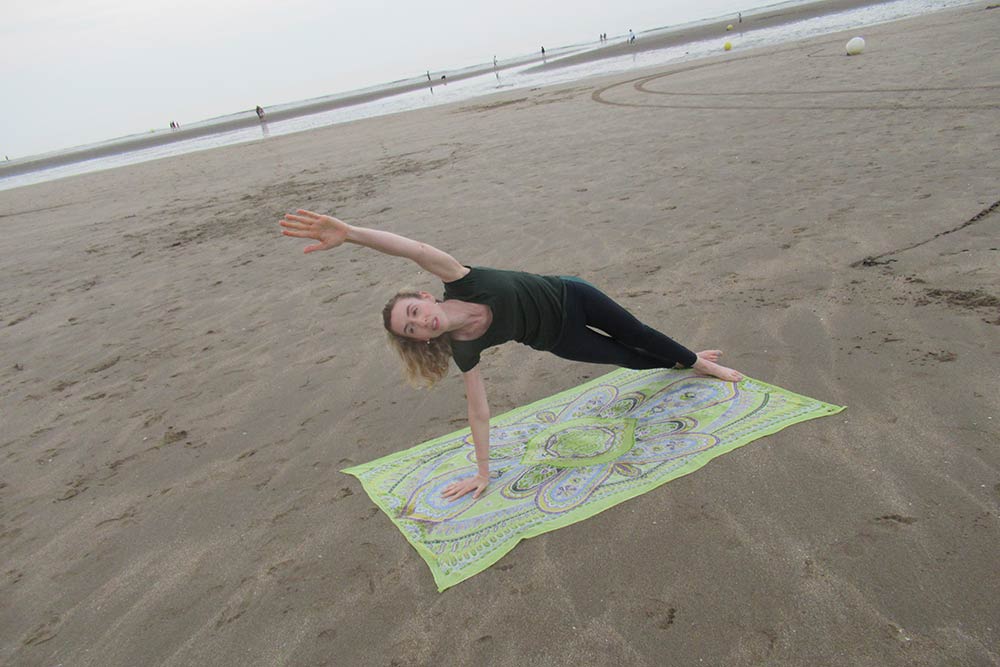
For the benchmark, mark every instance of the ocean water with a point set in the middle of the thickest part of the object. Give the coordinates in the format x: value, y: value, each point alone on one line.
x: 515, y: 74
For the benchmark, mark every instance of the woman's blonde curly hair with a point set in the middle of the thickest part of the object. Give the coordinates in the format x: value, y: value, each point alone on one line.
x: 424, y: 363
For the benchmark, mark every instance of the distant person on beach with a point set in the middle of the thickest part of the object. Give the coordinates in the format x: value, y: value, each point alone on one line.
x: 543, y: 51
x: 631, y: 36
x: 260, y: 112
x: 485, y: 307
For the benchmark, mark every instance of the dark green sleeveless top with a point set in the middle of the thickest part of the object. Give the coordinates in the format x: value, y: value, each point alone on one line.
x: 526, y: 308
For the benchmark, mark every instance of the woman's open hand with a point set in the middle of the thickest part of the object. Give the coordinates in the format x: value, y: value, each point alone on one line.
x: 456, y: 490
x: 329, y: 231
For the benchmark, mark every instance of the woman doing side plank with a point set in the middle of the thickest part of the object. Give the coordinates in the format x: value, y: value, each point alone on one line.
x: 485, y: 307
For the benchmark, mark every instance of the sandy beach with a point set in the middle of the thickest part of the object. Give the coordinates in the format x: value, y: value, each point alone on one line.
x: 180, y: 385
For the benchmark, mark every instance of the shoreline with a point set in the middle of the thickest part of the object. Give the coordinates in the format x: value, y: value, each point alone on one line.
x: 754, y: 21
x: 248, y: 119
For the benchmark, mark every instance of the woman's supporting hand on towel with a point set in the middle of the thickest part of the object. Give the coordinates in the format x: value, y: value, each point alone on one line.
x: 479, y: 427
x: 476, y: 484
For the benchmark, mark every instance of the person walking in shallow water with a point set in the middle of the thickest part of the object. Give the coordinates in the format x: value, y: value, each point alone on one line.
x: 484, y: 307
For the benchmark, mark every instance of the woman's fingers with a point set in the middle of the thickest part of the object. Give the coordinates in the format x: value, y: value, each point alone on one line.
x: 304, y: 224
x: 456, y: 490
x: 302, y: 215
x: 290, y: 219
x: 299, y: 229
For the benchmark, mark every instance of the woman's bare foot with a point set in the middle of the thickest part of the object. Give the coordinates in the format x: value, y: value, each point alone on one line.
x: 709, y: 368
x: 710, y: 355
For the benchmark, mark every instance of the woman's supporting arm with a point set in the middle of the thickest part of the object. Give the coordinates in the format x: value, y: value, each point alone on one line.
x: 331, y: 232
x: 479, y: 424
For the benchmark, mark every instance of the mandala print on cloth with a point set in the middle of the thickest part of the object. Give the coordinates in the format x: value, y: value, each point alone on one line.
x: 568, y: 457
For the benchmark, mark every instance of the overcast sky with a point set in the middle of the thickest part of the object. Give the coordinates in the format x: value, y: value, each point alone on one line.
x: 74, y: 72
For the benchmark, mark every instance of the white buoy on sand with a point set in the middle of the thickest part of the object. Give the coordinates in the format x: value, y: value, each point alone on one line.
x: 855, y: 46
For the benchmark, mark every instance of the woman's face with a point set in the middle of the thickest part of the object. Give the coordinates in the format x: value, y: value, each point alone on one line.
x: 418, y: 318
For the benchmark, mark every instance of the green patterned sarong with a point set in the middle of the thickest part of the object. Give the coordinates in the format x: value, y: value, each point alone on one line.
x: 568, y: 457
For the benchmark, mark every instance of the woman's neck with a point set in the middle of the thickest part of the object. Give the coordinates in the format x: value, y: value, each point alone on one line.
x: 468, y: 320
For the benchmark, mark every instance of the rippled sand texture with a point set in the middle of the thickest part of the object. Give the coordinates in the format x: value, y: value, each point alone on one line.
x: 179, y: 385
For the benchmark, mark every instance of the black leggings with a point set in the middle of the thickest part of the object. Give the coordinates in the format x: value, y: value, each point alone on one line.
x: 626, y: 341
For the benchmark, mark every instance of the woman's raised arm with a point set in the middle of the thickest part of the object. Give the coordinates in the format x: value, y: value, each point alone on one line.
x: 331, y: 232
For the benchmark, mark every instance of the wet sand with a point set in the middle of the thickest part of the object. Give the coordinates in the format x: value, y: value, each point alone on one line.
x: 661, y: 39
x: 180, y: 385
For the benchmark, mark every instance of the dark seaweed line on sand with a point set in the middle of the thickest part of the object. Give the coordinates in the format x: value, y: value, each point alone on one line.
x: 875, y: 260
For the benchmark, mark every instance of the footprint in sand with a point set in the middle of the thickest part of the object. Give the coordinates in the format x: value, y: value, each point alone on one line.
x: 43, y: 632
x: 894, y: 519
x: 659, y: 613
